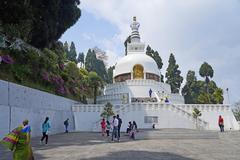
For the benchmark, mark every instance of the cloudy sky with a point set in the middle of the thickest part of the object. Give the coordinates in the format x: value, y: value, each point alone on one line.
x: 194, y: 30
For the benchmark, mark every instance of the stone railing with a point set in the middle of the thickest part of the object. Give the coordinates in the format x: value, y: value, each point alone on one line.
x: 121, y: 98
x: 116, y: 87
x: 204, y: 107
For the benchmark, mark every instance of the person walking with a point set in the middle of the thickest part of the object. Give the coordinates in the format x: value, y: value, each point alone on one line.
x: 119, y: 125
x: 18, y: 141
x: 150, y: 93
x: 66, y: 123
x: 103, y: 126
x: 115, y: 128
x: 45, y: 130
x: 221, y: 123
x: 108, y: 128
x: 134, y: 130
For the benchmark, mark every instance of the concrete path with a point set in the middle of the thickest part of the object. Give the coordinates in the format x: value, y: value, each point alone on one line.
x: 165, y: 144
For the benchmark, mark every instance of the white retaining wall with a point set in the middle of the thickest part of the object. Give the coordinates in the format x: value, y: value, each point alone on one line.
x: 18, y: 103
x: 169, y: 116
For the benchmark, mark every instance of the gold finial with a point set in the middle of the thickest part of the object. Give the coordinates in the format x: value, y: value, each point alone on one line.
x: 134, y: 18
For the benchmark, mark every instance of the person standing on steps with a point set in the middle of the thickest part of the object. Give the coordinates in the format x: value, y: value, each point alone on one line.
x: 45, y: 130
x: 150, y: 93
x: 221, y: 123
x: 66, y: 123
x: 119, y: 125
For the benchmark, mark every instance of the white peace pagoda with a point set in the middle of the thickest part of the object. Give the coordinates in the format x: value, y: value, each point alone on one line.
x: 133, y: 77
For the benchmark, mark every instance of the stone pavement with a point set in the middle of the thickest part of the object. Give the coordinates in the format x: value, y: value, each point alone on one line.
x: 165, y: 144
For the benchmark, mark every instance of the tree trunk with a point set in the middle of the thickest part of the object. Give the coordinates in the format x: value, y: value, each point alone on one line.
x: 95, y: 94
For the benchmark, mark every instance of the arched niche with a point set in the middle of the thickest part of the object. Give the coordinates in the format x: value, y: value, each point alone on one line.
x: 138, y: 72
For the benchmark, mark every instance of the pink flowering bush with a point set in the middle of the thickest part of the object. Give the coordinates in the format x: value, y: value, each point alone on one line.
x: 7, y: 59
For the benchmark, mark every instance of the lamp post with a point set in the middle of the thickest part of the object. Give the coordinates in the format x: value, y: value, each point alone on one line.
x: 228, y: 95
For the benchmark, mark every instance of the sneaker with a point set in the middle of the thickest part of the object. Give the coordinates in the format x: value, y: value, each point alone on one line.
x: 40, y: 143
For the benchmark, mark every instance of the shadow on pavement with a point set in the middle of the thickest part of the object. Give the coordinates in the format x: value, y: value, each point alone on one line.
x: 138, y: 155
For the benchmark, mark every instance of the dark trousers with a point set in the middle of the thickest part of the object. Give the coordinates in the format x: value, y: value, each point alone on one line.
x: 221, y: 126
x: 107, y: 131
x: 119, y: 130
x: 66, y: 128
x: 45, y: 136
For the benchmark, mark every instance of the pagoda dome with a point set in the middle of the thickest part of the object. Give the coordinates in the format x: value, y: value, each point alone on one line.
x: 126, y: 64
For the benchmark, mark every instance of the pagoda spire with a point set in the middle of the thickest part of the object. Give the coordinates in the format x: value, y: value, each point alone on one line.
x: 135, y: 36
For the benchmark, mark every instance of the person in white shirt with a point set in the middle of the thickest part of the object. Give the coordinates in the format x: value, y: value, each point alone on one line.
x: 115, y: 128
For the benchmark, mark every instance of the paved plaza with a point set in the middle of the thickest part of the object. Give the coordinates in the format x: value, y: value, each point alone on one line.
x: 165, y: 144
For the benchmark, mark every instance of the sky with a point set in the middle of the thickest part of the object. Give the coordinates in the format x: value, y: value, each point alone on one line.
x: 195, y: 31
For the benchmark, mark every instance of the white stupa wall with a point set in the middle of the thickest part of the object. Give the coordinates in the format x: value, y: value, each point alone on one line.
x: 169, y: 116
x: 18, y: 103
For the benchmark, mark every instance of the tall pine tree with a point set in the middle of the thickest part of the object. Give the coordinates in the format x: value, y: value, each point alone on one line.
x: 96, y: 65
x: 80, y: 58
x: 155, y: 55
x: 72, y: 54
x: 174, y: 79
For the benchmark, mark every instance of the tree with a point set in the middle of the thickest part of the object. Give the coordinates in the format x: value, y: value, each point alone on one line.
x: 95, y: 82
x: 107, y: 111
x: 128, y: 40
x: 236, y: 110
x: 189, y: 90
x: 196, y: 113
x: 80, y: 58
x: 110, y: 74
x: 155, y: 55
x: 206, y: 71
x: 204, y: 98
x: 96, y: 65
x: 218, y: 96
x: 39, y: 22
x: 66, y: 47
x: 72, y: 54
x: 174, y: 79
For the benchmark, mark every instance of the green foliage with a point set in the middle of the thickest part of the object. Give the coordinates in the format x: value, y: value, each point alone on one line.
x: 206, y: 71
x: 95, y: 65
x: 110, y: 74
x: 218, y: 96
x: 107, y: 111
x: 128, y: 40
x: 236, y: 111
x: 80, y: 58
x: 95, y: 82
x: 194, y: 91
x: 20, y: 72
x: 174, y: 79
x: 72, y: 54
x: 190, y: 90
x: 39, y: 22
x: 155, y: 55
x: 196, y: 113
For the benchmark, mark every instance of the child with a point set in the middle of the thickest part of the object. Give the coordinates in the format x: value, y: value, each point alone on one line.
x: 103, y: 125
x: 108, y: 128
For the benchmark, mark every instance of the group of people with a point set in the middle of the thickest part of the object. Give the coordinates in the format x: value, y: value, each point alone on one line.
x: 115, y: 126
x: 132, y: 129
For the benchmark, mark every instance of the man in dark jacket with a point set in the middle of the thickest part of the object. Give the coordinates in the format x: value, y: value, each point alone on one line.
x: 119, y: 125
